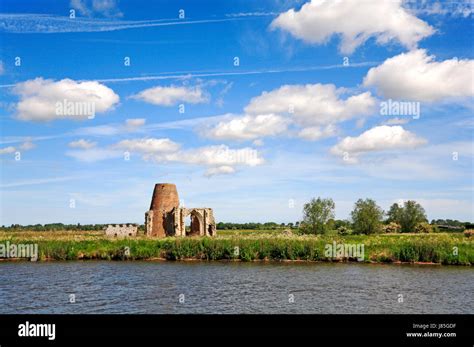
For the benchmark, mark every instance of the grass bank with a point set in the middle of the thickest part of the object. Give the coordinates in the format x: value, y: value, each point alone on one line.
x: 441, y: 248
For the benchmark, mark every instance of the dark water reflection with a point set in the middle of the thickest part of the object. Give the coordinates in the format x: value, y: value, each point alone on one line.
x: 155, y: 287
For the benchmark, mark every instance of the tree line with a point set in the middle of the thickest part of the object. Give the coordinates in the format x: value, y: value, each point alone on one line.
x: 369, y: 218
x: 318, y: 218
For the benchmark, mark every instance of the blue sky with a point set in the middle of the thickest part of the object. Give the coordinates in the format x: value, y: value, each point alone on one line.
x: 298, y: 117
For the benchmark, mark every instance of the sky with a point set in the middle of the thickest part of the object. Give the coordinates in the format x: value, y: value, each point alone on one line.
x: 250, y: 108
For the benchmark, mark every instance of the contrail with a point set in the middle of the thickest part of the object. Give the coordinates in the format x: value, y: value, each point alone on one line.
x: 236, y: 73
x: 187, y: 75
x: 44, y: 24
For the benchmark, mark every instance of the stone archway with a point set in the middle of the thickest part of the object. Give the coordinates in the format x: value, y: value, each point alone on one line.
x: 197, y: 227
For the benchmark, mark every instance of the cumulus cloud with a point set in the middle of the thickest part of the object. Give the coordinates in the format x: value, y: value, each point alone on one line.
x: 215, y: 156
x: 25, y: 146
x: 7, y: 150
x: 107, y: 8
x: 219, y: 159
x: 459, y: 8
x: 312, y: 104
x: 248, y: 127
x: 41, y: 99
x: 417, y: 76
x: 220, y: 170
x: 355, y: 21
x: 380, y: 138
x: 134, y: 123
x: 172, y: 95
x: 317, y: 133
x: 312, y: 110
x: 82, y: 144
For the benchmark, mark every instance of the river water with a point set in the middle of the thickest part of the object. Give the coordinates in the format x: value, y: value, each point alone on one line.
x: 225, y: 287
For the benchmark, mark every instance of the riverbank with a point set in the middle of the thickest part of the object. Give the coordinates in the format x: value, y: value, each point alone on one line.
x: 442, y: 248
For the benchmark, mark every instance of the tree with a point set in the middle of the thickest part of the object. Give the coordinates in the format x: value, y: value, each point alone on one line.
x: 316, y: 214
x: 367, y: 217
x: 394, y: 214
x: 412, y: 215
x: 408, y: 216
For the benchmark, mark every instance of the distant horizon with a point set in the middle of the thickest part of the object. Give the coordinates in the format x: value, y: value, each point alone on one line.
x: 251, y: 109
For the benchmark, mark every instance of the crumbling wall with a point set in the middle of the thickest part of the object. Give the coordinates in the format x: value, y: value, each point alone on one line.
x: 202, y: 221
x: 121, y: 230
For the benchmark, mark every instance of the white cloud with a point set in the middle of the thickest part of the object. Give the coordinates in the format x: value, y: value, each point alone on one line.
x: 169, y: 96
x: 380, y: 138
x: 458, y: 8
x: 80, y: 6
x: 220, y: 170
x: 82, y: 144
x: 248, y: 127
x: 218, y: 159
x: 355, y: 21
x: 148, y: 146
x: 7, y: 150
x: 317, y: 133
x: 134, y: 123
x: 215, y: 156
x: 416, y: 76
x: 39, y: 99
x: 312, y: 109
x: 312, y: 104
x: 107, y: 8
x: 27, y: 145
x: 2, y: 68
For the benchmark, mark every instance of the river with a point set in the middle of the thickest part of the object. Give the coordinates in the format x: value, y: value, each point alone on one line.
x: 225, y: 287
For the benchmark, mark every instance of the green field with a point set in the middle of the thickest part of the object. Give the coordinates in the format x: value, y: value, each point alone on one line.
x: 249, y: 245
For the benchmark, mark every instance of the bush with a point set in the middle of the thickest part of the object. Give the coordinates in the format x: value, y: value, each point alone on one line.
x: 423, y: 228
x: 392, y: 227
x: 343, y: 230
x: 469, y: 233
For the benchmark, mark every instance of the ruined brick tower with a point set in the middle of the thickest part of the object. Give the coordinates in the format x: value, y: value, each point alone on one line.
x: 167, y: 218
x: 158, y: 219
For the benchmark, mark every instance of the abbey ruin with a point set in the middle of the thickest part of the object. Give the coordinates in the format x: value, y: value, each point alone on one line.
x: 167, y: 218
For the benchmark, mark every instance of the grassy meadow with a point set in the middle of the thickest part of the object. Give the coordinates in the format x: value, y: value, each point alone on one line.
x: 249, y: 245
